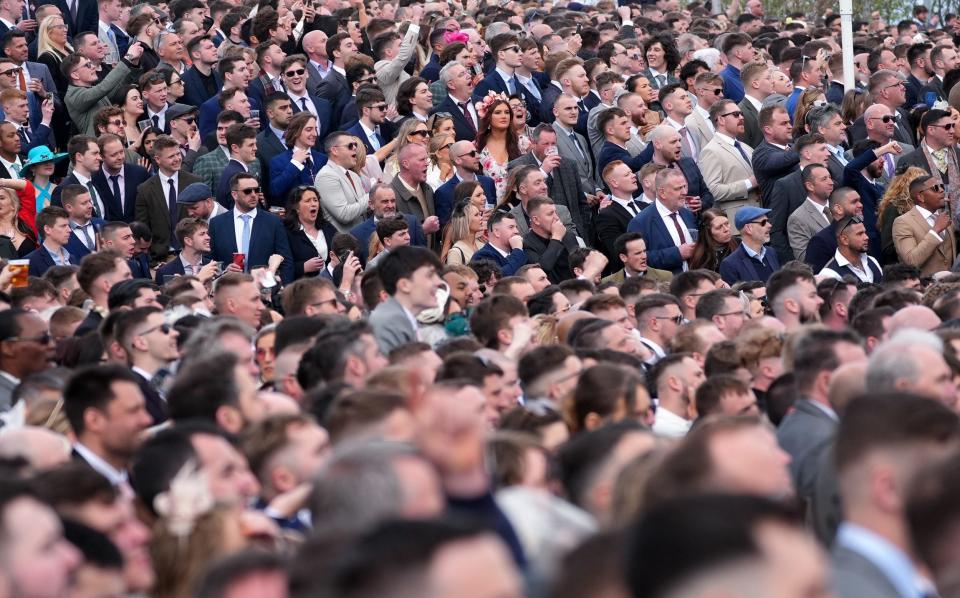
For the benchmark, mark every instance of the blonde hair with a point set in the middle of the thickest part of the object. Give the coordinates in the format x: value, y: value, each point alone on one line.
x: 898, y: 194
x: 43, y: 35
x: 361, y: 156
x: 458, y: 229
x: 437, y: 143
x: 15, y: 199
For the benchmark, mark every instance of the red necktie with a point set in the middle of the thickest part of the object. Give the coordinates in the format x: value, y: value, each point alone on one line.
x: 676, y: 223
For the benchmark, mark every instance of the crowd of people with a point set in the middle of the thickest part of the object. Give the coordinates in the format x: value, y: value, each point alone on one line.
x: 472, y: 299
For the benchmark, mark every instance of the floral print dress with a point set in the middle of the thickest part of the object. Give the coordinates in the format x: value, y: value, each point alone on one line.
x: 498, y: 171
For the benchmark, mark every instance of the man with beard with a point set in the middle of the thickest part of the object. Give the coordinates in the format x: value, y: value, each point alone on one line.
x: 863, y: 175
x: 754, y: 259
x: 844, y: 203
x: 383, y: 204
x: 851, y: 258
x: 792, y: 293
x: 107, y: 412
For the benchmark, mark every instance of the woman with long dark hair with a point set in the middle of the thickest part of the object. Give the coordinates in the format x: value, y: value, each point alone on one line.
x: 309, y: 234
x: 497, y: 139
x: 715, y: 241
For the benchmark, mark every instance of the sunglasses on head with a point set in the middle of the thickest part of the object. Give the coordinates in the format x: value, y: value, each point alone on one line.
x: 249, y: 190
x: 295, y: 73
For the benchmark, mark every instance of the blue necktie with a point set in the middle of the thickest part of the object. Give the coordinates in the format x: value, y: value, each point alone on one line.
x: 245, y: 234
x: 513, y: 85
x: 743, y: 154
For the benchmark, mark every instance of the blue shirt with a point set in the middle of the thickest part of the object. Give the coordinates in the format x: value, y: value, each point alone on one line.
x: 753, y: 254
x: 732, y: 85
x: 60, y: 259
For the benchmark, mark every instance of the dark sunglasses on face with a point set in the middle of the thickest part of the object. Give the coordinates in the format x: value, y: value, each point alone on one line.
x: 735, y: 114
x: 886, y: 119
x: 472, y: 154
x: 761, y: 222
x: 249, y: 190
x: 423, y: 134
x: 945, y: 127
x: 164, y: 328
x: 380, y: 107
x: 295, y: 73
x: 938, y: 187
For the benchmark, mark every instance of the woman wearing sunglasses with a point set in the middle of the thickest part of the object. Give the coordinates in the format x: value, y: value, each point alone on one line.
x: 411, y: 131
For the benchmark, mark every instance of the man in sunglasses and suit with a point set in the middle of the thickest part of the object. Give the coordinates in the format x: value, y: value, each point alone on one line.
x: 342, y: 196
x: 925, y: 236
x: 937, y: 153
x: 754, y: 259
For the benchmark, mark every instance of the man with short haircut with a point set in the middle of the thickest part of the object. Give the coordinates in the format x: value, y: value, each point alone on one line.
x: 458, y: 81
x: 548, y: 373
x: 658, y: 318
x: 392, y: 233
x: 738, y: 50
x: 392, y: 54
x: 891, y: 436
x: 813, y: 215
x: 151, y: 347
x: 235, y: 78
x: 676, y: 379
x: 757, y: 79
x: 466, y: 164
x: 631, y: 250
x: 242, y: 145
x: 666, y: 225
x: 612, y: 221
x: 889, y: 94
x: 346, y: 352
x: 504, y: 244
x: 725, y: 309
x: 31, y: 118
x: 107, y: 413
x: 294, y: 73
x: 200, y: 81
x: 549, y: 243
x: 117, y: 236
x: 851, y: 258
x: 83, y: 226
x: 53, y: 223
x: 372, y: 110
x: 502, y: 322
x: 194, y: 237
x: 86, y: 161
x: 827, y: 121
x: 726, y: 395
x: 912, y: 361
x: 117, y: 180
x: 157, y: 205
x: 210, y: 165
x: 383, y: 205
x: 844, y: 203
x: 924, y: 235
x: 708, y: 87
x: 342, y: 197
x: 773, y: 159
x: 943, y: 59
x: 228, y: 400
x: 310, y: 297
x: 84, y: 96
x: 615, y: 126
x: 726, y: 162
x: 571, y: 143
x: 411, y: 278
x: 414, y: 195
x: 98, y: 273
x: 667, y: 151
x: 334, y: 87
x: 937, y: 153
x: 237, y: 295
x: 569, y: 78
x: 792, y: 295
x: 25, y: 349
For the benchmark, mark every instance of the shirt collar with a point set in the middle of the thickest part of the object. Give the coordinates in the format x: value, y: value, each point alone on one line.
x: 754, y: 254
x: 724, y: 138
x: 927, y: 214
x: 114, y: 475
x: 699, y: 110
x: 237, y: 213
x: 754, y: 101
x: 889, y: 559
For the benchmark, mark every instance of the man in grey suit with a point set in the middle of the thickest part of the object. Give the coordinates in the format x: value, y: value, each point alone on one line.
x: 881, y: 442
x: 573, y: 145
x: 411, y: 276
x: 812, y: 216
x: 813, y: 422
x: 25, y: 348
x: 563, y: 180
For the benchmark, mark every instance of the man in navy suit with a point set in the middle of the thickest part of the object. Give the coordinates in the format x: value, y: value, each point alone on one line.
x: 615, y: 126
x: 754, y: 259
x: 83, y: 226
x: 117, y: 181
x: 334, y: 87
x: 372, y: 111
x: 503, y: 79
x: 466, y: 164
x: 383, y: 204
x: 31, y: 118
x: 261, y: 234
x: 863, y: 175
x: 118, y: 236
x: 459, y: 84
x: 200, y: 81
x: 54, y: 226
x: 294, y: 74
x: 194, y: 237
x: 666, y: 225
x: 242, y: 143
x: 235, y: 75
x: 298, y: 165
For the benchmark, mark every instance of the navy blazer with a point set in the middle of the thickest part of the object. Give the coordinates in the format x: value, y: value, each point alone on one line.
x: 224, y: 198
x: 123, y: 40
x: 140, y: 266
x: 462, y: 131
x: 696, y: 186
x: 76, y: 247
x: 357, y: 131
x: 365, y: 229
x: 303, y: 249
x: 134, y: 175
x: 41, y: 261
x: 495, y: 83
x: 443, y: 196
x: 335, y: 90
x: 870, y: 196
x: 661, y: 252
x: 267, y: 237
x: 325, y: 120
x: 431, y: 71
x: 209, y: 110
x: 738, y: 266
x: 284, y: 176
x: 194, y: 92
x: 771, y: 163
x: 175, y: 268
x: 611, y: 151
x: 821, y: 249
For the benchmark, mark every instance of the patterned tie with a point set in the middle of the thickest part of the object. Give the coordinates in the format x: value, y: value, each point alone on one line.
x: 86, y: 237
x: 245, y: 235
x: 676, y: 224
x: 940, y: 158
x: 467, y: 115
x: 93, y: 198
x: 661, y: 80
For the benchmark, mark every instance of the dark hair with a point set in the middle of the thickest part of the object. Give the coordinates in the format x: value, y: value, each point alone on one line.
x: 92, y: 388
x: 815, y: 351
x: 405, y: 94
x: 492, y: 315
x: 197, y: 394
x: 290, y: 219
x: 402, y: 262
x: 709, y: 395
x: 220, y: 576
x: 326, y: 359
x: 579, y: 459
x: 601, y: 389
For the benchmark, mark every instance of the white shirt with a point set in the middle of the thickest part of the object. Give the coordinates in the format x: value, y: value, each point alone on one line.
x: 188, y: 268
x: 296, y: 99
x: 86, y: 233
x: 706, y: 117
x: 165, y: 185
x: 470, y: 108
x: 930, y: 219
x: 319, y: 243
x: 115, y: 476
x: 238, y: 227
x: 161, y: 116
x: 119, y: 176
x: 625, y: 204
x: 861, y: 270
x: 371, y: 136
x: 672, y: 229
x: 13, y: 168
x: 670, y: 425
x: 754, y: 102
x: 97, y: 200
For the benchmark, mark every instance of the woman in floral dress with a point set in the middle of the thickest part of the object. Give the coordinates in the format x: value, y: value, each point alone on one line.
x: 497, y: 140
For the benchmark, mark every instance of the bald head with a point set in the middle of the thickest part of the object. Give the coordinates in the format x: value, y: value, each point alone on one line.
x: 460, y: 148
x: 315, y: 43
x: 875, y: 111
x: 914, y: 316
x: 664, y: 133
x: 847, y: 382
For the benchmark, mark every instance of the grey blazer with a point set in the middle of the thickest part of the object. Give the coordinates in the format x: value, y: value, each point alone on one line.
x: 799, y: 434
x: 588, y: 176
x: 391, y: 325
x: 856, y: 577
x: 6, y: 389
x: 562, y: 212
x: 595, y: 134
x: 567, y: 192
x: 802, y: 224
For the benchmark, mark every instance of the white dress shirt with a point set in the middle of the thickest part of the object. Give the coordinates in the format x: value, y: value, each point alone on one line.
x: 930, y: 218
x: 819, y: 208
x: 371, y: 136
x: 706, y: 116
x: 97, y: 200
x: 161, y: 116
x: 297, y: 100
x: 861, y: 270
x: 115, y: 476
x: 165, y: 185
x: 670, y: 425
x: 625, y: 204
x: 13, y: 168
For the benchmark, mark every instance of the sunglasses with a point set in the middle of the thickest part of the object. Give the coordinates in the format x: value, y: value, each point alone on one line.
x: 188, y: 119
x: 887, y: 119
x: 716, y: 92
x: 472, y: 154
x: 350, y: 146
x: 853, y: 220
x: 380, y: 107
x: 938, y: 187
x: 735, y: 114
x: 164, y: 328
x: 249, y: 190
x: 423, y: 134
x: 43, y: 339
x: 945, y: 127
x: 678, y: 319
x: 511, y: 49
x: 11, y: 72
x: 295, y: 73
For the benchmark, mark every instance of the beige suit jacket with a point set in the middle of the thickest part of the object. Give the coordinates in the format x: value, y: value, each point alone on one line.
x: 802, y: 225
x: 917, y: 247
x: 724, y: 170
x: 699, y: 128
x: 345, y: 205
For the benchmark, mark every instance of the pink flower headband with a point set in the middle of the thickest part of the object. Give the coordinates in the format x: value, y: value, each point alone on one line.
x: 451, y: 37
x: 484, y: 104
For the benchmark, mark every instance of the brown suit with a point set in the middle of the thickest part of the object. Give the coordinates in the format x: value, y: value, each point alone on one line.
x: 152, y: 210
x: 917, y: 247
x: 659, y: 276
